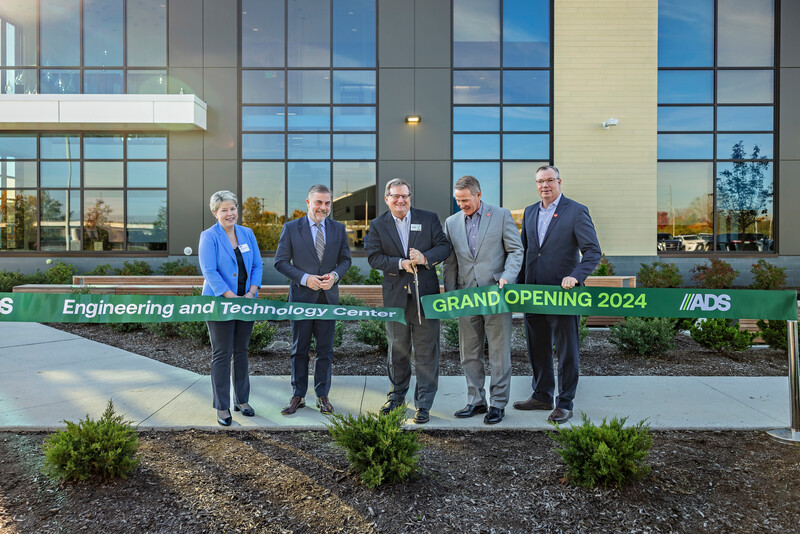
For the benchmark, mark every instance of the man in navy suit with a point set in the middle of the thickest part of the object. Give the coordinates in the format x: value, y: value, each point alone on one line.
x: 561, y: 248
x: 313, y: 253
x: 403, y: 240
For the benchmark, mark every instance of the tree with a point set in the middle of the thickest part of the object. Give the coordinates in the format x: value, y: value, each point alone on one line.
x: 742, y: 195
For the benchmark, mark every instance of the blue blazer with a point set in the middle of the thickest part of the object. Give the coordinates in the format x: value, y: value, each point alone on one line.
x: 218, y: 260
x: 296, y: 256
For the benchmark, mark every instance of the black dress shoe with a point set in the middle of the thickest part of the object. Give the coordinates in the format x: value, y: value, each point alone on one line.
x: 247, y: 412
x: 422, y: 416
x: 324, y: 405
x: 294, y: 403
x: 533, y: 404
x: 470, y: 409
x: 390, y: 405
x: 224, y: 421
x: 560, y: 415
x: 494, y: 416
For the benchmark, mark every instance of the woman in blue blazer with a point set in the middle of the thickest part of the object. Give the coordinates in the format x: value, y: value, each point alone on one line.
x: 232, y: 267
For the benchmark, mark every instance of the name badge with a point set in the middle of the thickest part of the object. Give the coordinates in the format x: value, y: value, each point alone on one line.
x: 244, y: 248
x: 416, y: 227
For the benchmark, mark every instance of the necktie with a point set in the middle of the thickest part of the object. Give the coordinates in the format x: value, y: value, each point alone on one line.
x: 320, y: 243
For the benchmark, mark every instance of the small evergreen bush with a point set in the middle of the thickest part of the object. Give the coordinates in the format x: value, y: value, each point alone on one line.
x: 372, y: 333
x: 635, y: 335
x: 262, y: 336
x: 450, y: 332
x: 583, y: 330
x: 104, y: 269
x: 604, y: 268
x: 179, y: 267
x: 721, y: 335
x: 352, y: 277
x: 135, y: 268
x: 125, y: 327
x: 346, y: 299
x: 659, y: 274
x: 60, y: 273
x: 105, y: 448
x: 164, y: 329
x: 195, y: 330
x: 8, y: 280
x: 375, y: 278
x: 605, y: 455
x: 278, y: 298
x: 338, y: 334
x: 773, y: 333
x: 768, y: 276
x: 718, y: 275
x: 377, y: 447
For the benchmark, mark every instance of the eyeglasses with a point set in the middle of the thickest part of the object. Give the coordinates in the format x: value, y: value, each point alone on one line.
x: 549, y: 181
x: 397, y: 197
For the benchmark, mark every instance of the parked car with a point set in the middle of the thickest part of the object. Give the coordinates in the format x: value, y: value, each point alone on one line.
x: 665, y: 242
x: 692, y: 243
x: 734, y: 241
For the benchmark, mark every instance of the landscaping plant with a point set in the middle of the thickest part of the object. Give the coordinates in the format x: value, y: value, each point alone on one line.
x: 768, y: 276
x: 721, y: 335
x: 346, y: 299
x: 105, y: 448
x: 180, y: 267
x: 773, y: 333
x: 338, y: 334
x: 372, y: 333
x: 377, y: 447
x: 60, y: 273
x: 605, y: 455
x: 604, y: 268
x: 636, y: 335
x: 352, y: 277
x: 262, y: 336
x: 375, y: 278
x: 450, y: 332
x: 135, y: 268
x: 659, y: 274
x: 104, y: 269
x: 718, y: 275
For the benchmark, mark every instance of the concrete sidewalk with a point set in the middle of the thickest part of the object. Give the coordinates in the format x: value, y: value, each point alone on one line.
x: 49, y: 376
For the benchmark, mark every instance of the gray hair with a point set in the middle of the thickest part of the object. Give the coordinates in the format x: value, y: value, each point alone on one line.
x: 468, y: 182
x: 395, y: 182
x: 219, y: 197
x: 548, y: 167
x: 318, y: 188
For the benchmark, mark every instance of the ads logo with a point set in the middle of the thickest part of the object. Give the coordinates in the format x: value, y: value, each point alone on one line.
x: 6, y: 305
x: 694, y: 301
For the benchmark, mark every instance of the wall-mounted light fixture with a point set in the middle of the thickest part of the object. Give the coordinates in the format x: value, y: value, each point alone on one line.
x: 610, y: 122
x: 413, y: 119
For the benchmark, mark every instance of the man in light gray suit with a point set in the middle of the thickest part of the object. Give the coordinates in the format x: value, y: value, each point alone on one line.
x: 487, y: 250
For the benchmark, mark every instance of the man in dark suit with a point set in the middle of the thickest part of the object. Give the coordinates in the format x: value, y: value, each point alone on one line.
x: 561, y: 248
x: 313, y: 253
x: 401, y: 241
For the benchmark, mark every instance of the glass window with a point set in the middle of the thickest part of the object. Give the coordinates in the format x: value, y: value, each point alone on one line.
x: 60, y: 33
x: 476, y: 119
x: 685, y: 200
x: 263, y: 87
x: 526, y: 119
x: 18, y: 219
x: 147, y: 174
x: 102, y: 33
x: 60, y: 146
x: 313, y: 118
x: 686, y: 33
x: 103, y: 220
x: 744, y: 146
x: 102, y: 147
x: 60, y: 173
x: 685, y: 118
x: 263, y: 146
x: 61, y: 81
x: 147, y: 82
x: 19, y: 81
x: 262, y: 33
x: 263, y: 118
x: 685, y: 87
x: 526, y: 33
x: 526, y: 146
x: 746, y: 33
x: 354, y: 33
x: 308, y: 146
x: 526, y: 87
x: 15, y: 174
x: 685, y: 146
x: 103, y: 173
x: 301, y: 175
x: 21, y: 33
x: 264, y: 200
x: 59, y: 231
x: 745, y: 87
x: 309, y: 33
x: 519, y: 190
x: 354, y: 146
x: 476, y: 146
x: 745, y: 118
x: 487, y: 173
x: 309, y: 87
x: 142, y: 146
x: 147, y: 33
x: 102, y: 82
x: 354, y: 199
x: 476, y: 33
x: 745, y: 206
x: 353, y: 119
x: 147, y: 220
x: 354, y: 87
x: 476, y: 87
x: 17, y: 146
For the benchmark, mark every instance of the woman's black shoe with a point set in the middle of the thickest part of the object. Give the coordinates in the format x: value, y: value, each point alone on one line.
x: 247, y: 412
x: 224, y: 422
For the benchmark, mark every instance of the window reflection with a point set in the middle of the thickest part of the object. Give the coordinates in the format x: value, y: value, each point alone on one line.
x: 263, y: 201
x: 14, y: 174
x: 476, y: 119
x: 263, y: 146
x: 488, y: 174
x: 300, y: 176
x: 142, y: 146
x: 103, y: 223
x: 354, y: 119
x: 102, y: 146
x: 263, y: 87
x: 17, y: 146
x: 19, y: 81
x: 60, y: 146
x: 147, y: 174
x: 103, y: 173
x: 62, y: 81
x: 18, y: 219
x: 60, y: 33
x: 519, y: 190
x: 745, y: 206
x: 686, y: 33
x: 354, y: 33
x: 476, y: 33
x: 308, y: 33
x: 685, y: 87
x: 526, y: 146
x: 354, y: 146
x: 685, y: 146
x: 746, y: 33
x: 354, y: 87
x: 262, y: 33
x: 102, y: 33
x: 526, y: 33
x: 314, y: 118
x: 744, y: 146
x: 146, y: 220
x: 309, y: 87
x: 745, y: 87
x: 263, y: 118
x: 308, y: 146
x: 147, y: 34
x: 744, y: 118
x: 147, y: 82
x: 60, y: 231
x: 102, y: 82
x: 60, y: 173
x: 685, y: 206
x: 18, y: 22
x: 476, y: 146
x: 476, y: 87
x: 685, y: 118
x: 354, y: 199
x: 521, y: 119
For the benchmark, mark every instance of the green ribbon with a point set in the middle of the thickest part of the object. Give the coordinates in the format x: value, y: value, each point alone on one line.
x: 89, y: 308
x: 624, y: 302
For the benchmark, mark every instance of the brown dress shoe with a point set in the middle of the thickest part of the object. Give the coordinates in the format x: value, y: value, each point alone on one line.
x: 324, y: 405
x: 294, y: 403
x: 559, y: 415
x: 533, y: 404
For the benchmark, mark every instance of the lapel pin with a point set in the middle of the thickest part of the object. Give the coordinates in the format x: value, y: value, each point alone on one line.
x: 555, y: 215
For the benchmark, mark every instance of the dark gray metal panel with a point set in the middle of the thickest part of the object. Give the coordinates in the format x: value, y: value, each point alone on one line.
x: 185, y: 35
x: 221, y: 140
x: 186, y: 204
x: 432, y: 97
x: 388, y: 170
x: 220, y: 31
x: 186, y: 145
x: 788, y: 215
x: 395, y: 101
x: 188, y: 79
x: 396, y: 33
x: 789, y: 114
x: 432, y: 187
x: 790, y: 38
x: 432, y: 34
x: 219, y: 175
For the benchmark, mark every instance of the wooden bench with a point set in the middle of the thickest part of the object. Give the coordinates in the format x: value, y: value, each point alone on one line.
x: 156, y: 280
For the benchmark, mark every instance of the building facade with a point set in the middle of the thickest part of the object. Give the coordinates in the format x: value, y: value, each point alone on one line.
x: 675, y: 121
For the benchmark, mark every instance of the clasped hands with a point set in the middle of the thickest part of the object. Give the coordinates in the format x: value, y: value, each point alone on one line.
x: 317, y: 282
x: 415, y: 257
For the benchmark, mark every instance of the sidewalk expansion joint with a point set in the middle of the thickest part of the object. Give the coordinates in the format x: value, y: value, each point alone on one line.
x: 199, y: 378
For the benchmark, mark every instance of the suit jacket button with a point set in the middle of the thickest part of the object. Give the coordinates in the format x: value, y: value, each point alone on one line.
x: 234, y: 274
x: 539, y: 254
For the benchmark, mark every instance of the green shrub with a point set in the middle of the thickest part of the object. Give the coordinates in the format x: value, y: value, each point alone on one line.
x: 346, y: 299
x: 60, y: 273
x: 372, y: 333
x: 605, y: 455
x: 773, y: 333
x: 352, y: 277
x: 195, y: 330
x: 718, y: 275
x: 263, y: 334
x: 135, y: 268
x: 8, y: 280
x: 635, y: 335
x: 278, y: 298
x: 583, y: 330
x: 180, y: 267
x: 683, y: 323
x: 35, y: 278
x: 164, y: 329
x: 659, y: 274
x: 768, y: 276
x: 338, y: 334
x: 604, y: 268
x: 721, y: 335
x: 105, y: 448
x: 450, y: 332
x: 125, y: 327
x: 375, y: 278
x: 104, y: 269
x: 377, y: 447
